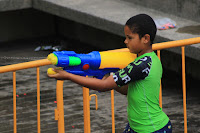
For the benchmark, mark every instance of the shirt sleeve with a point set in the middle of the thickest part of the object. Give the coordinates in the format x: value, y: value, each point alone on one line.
x: 136, y: 70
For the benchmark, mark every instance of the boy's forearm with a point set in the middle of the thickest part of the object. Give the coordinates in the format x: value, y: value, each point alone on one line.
x: 93, y: 83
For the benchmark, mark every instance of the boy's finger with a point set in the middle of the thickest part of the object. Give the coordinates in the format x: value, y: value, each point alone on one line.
x: 51, y: 75
x: 53, y: 71
x: 57, y: 69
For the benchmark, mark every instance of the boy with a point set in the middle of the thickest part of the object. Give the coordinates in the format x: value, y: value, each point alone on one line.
x: 140, y: 80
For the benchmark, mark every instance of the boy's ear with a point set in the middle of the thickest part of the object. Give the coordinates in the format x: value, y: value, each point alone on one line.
x: 146, y: 38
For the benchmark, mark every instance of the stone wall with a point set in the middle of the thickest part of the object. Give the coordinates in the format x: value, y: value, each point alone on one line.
x: 189, y: 9
x: 25, y: 24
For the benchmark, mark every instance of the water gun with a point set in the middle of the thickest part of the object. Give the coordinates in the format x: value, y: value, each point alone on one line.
x: 95, y: 64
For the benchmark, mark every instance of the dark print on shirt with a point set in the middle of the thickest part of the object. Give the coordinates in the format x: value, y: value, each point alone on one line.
x: 136, y: 70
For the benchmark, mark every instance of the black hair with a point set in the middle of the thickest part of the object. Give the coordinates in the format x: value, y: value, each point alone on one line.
x: 142, y: 24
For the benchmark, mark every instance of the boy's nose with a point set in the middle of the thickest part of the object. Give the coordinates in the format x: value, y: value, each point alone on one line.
x: 125, y: 41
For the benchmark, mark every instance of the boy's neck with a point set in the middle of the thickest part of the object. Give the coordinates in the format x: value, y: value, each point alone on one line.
x: 147, y: 50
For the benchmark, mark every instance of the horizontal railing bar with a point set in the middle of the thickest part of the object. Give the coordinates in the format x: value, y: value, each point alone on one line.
x: 25, y: 65
x: 43, y: 62
x: 165, y: 45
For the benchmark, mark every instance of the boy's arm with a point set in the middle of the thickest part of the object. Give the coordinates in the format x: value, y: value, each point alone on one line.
x: 92, y: 83
x: 123, y: 90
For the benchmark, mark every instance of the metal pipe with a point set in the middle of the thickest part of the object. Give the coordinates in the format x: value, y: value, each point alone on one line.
x: 60, y: 108
x: 38, y: 99
x: 14, y: 104
x: 160, y: 94
x: 113, y: 111
x: 165, y: 45
x: 86, y: 110
x: 96, y: 99
x: 184, y: 89
x: 25, y: 65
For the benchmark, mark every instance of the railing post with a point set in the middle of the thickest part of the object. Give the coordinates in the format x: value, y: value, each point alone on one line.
x: 113, y: 111
x: 86, y: 110
x: 96, y: 99
x: 38, y: 99
x: 160, y: 94
x: 184, y: 89
x: 59, y: 112
x: 14, y: 104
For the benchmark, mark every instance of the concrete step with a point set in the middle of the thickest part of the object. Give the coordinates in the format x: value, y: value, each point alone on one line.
x: 9, y: 5
x: 189, y: 9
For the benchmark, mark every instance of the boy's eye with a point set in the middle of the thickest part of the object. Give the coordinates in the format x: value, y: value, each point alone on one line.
x: 129, y: 37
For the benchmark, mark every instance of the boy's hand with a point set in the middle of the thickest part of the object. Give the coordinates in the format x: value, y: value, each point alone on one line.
x: 59, y: 74
x: 105, y: 76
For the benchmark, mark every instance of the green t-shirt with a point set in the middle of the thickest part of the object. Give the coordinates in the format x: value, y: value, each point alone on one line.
x: 143, y: 76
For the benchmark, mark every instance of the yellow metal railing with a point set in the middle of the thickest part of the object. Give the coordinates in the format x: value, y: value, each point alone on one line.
x: 60, y: 108
x: 38, y: 99
x: 59, y: 112
x: 184, y: 88
x: 14, y: 104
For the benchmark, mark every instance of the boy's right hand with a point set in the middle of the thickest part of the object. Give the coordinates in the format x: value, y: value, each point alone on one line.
x: 52, y: 71
x: 58, y: 74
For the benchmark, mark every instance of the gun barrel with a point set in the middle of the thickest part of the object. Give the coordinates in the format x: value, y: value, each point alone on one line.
x: 53, y: 58
x: 116, y: 59
x: 96, y: 60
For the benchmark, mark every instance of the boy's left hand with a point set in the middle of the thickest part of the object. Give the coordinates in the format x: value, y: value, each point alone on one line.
x: 59, y: 74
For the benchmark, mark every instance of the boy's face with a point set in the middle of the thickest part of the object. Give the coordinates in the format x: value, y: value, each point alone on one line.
x: 133, y: 42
